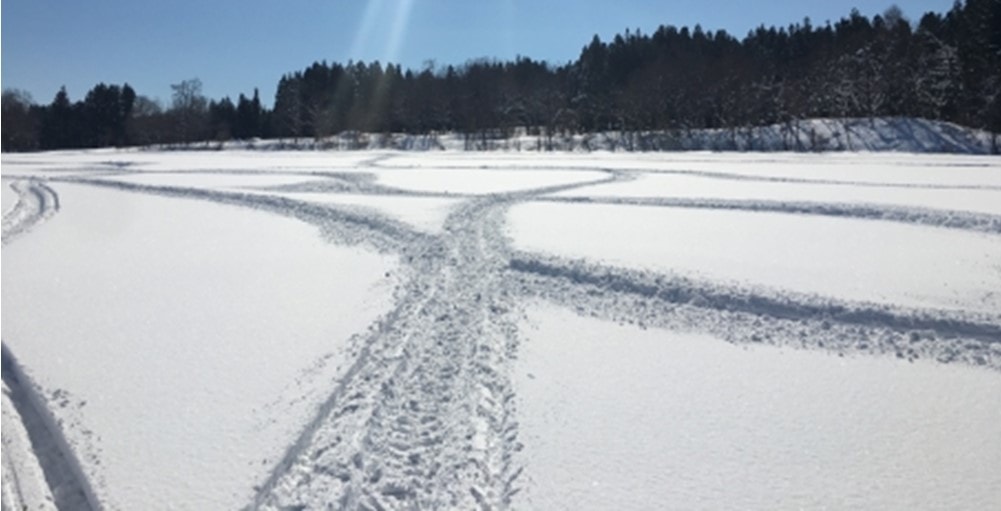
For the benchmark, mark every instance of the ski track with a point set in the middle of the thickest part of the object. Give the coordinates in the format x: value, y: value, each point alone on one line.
x: 424, y: 417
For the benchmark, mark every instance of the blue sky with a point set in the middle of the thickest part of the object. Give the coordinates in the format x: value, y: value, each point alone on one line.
x: 234, y: 46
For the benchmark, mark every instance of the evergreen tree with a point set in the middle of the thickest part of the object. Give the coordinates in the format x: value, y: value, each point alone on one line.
x: 947, y: 67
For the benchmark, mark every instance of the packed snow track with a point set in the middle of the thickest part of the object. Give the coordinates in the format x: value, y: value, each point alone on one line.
x: 422, y: 411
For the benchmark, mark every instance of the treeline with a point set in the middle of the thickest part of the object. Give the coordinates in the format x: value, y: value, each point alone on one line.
x: 943, y: 67
x: 114, y: 116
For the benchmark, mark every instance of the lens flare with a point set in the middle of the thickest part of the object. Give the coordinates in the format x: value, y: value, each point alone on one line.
x: 397, y: 32
x: 386, y: 21
x: 373, y: 11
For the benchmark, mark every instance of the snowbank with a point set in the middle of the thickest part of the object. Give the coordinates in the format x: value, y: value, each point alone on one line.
x: 875, y: 134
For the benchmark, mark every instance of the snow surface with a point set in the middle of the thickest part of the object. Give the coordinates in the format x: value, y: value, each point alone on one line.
x: 878, y: 168
x: 114, y: 161
x: 23, y: 480
x: 477, y: 181
x: 9, y: 197
x: 615, y: 417
x: 194, y: 340
x: 982, y: 200
x: 425, y: 213
x: 207, y: 180
x: 829, y: 256
x: 447, y: 330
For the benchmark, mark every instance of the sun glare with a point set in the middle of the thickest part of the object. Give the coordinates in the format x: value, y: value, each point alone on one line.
x: 397, y: 33
x: 360, y: 43
x: 372, y: 30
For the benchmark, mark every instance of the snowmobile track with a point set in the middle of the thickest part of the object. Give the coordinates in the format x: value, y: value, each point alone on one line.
x: 425, y: 414
x: 36, y: 203
x: 980, y: 222
x: 63, y: 475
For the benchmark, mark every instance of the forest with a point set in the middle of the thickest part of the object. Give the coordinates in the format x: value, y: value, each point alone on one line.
x: 943, y: 66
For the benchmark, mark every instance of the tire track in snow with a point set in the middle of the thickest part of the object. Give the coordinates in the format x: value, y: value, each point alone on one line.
x: 63, y: 475
x: 64, y: 478
x: 731, y: 176
x: 425, y: 415
x: 364, y: 184
x: 36, y: 203
x: 980, y: 222
x: 343, y: 224
x: 361, y: 183
x: 24, y: 484
x: 651, y: 299
x: 679, y: 290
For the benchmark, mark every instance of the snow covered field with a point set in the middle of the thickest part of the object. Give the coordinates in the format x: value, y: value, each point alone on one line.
x: 9, y: 197
x: 450, y: 330
x: 710, y: 425
x: 836, y: 257
x: 170, y: 321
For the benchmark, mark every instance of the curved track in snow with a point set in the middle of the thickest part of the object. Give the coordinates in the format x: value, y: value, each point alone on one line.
x: 424, y: 417
x: 66, y: 481
x: 36, y: 202
x: 50, y: 452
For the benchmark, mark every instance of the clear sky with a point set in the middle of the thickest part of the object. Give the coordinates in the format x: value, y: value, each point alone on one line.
x: 236, y: 45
